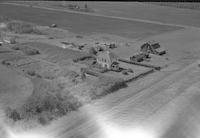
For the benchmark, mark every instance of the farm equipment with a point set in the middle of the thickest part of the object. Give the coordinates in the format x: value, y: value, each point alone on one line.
x: 140, y: 57
x: 152, y: 47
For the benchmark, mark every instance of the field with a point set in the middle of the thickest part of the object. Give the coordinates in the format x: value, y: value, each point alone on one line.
x: 46, y: 87
x: 185, y: 5
x: 144, y: 11
x: 85, y: 24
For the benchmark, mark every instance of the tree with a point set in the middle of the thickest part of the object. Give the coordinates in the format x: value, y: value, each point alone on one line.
x: 86, y: 6
x: 13, y: 114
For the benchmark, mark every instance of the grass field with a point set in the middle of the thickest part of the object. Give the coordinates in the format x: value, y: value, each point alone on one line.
x: 85, y: 24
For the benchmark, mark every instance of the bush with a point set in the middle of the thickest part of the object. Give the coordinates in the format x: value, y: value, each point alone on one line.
x: 31, y: 52
x: 79, y: 36
x: 106, y: 85
x: 22, y: 27
x: 81, y: 58
x: 27, y: 50
x: 125, y: 72
x: 15, y: 48
x: 13, y: 114
x: 6, y: 62
x: 31, y: 72
x: 71, y: 75
x: 45, y: 108
x: 4, y: 18
x: 130, y: 70
x: 43, y: 120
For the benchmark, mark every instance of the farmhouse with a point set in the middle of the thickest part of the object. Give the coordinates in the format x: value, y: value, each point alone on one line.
x: 107, y: 59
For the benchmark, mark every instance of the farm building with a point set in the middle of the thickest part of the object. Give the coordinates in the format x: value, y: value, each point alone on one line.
x: 153, y: 48
x: 107, y: 59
